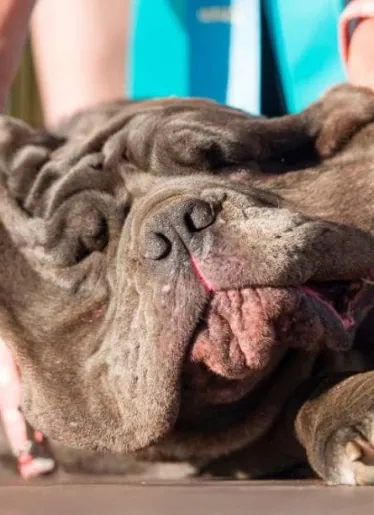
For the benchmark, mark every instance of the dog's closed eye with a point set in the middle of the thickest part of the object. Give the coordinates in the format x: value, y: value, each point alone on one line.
x: 83, y: 224
x: 95, y: 238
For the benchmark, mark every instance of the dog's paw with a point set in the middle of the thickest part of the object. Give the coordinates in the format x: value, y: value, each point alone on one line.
x: 337, y: 430
x: 339, y: 115
x: 350, y: 454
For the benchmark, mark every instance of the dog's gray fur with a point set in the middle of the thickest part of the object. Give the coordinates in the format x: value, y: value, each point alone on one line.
x: 152, y: 258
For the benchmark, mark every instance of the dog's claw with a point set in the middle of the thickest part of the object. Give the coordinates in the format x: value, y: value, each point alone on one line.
x: 361, y: 453
x: 353, y: 451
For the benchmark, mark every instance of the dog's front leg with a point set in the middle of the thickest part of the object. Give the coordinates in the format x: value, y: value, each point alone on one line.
x: 336, y: 427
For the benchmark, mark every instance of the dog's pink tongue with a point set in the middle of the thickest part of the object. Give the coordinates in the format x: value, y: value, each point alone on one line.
x: 239, y: 334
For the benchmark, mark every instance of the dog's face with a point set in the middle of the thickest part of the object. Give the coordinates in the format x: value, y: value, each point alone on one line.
x: 158, y: 304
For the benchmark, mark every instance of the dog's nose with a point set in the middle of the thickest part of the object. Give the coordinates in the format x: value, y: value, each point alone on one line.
x: 176, y: 223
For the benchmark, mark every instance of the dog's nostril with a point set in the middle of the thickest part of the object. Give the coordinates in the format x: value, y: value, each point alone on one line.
x: 158, y: 247
x: 175, y: 226
x: 200, y: 217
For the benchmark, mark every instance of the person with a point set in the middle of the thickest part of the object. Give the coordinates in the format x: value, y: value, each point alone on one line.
x: 80, y: 48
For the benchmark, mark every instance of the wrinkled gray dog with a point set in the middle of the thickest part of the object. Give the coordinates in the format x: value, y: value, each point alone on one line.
x: 189, y: 289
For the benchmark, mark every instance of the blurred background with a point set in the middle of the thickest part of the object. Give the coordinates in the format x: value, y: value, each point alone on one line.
x: 290, y: 50
x: 24, y: 99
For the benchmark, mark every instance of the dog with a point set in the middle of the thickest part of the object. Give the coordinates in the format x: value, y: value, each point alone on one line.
x: 188, y: 290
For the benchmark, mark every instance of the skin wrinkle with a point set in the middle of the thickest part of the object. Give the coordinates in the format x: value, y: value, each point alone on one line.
x: 236, y: 316
x: 255, y: 344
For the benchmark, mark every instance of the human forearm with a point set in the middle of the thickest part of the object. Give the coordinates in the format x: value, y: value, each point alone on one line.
x: 360, y: 63
x: 357, y: 46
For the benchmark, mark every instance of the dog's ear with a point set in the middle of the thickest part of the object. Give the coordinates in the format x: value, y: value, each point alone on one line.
x: 180, y: 136
x: 337, y: 116
x: 184, y: 138
x: 177, y: 136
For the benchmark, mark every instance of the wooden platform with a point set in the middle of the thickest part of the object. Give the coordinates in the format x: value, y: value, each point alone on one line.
x: 95, y: 496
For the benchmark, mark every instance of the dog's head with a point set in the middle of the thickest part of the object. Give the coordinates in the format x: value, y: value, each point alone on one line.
x: 145, y: 301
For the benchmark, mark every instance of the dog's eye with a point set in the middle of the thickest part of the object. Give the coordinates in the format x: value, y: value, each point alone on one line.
x: 96, y: 238
x: 82, y: 225
x: 97, y: 166
x: 124, y: 212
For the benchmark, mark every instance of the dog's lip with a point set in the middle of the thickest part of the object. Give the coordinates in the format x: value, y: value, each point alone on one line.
x: 308, y: 289
x: 334, y: 298
x: 231, y: 386
x: 208, y: 286
x: 345, y: 318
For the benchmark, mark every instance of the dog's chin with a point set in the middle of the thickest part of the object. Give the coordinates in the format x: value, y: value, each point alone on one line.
x: 247, y: 332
